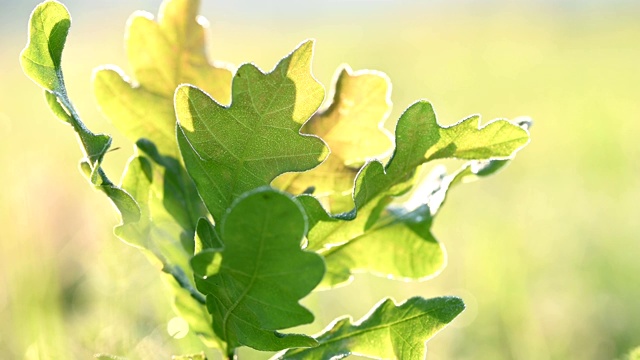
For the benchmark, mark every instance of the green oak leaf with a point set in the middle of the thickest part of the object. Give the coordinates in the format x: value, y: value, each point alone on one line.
x: 263, y: 274
x: 352, y: 127
x: 42, y: 57
x: 234, y: 149
x: 41, y: 61
x: 434, y: 190
x: 367, y: 242
x: 137, y: 181
x: 390, y: 331
x: 400, y: 244
x: 419, y: 139
x: 353, y: 124
x: 162, y: 55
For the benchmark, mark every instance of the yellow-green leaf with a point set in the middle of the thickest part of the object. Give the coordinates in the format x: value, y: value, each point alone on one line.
x: 41, y: 58
x: 41, y: 61
x: 352, y: 127
x: 419, y: 139
x: 390, y: 331
x: 162, y: 55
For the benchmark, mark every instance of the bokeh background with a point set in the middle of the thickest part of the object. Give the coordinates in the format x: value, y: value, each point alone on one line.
x: 546, y: 254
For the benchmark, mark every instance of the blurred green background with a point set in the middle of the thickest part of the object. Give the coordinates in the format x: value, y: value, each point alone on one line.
x: 546, y: 254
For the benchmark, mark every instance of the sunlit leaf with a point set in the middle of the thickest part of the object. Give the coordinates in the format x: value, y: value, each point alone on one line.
x: 170, y: 206
x: 41, y: 61
x: 352, y: 128
x: 390, y: 331
x: 123, y: 201
x: 399, y: 243
x: 162, y: 55
x: 433, y: 191
x: 231, y: 150
x: 419, y: 138
x: 263, y: 275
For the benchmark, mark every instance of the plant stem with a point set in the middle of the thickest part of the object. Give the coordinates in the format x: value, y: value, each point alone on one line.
x: 179, y: 275
x: 231, y: 354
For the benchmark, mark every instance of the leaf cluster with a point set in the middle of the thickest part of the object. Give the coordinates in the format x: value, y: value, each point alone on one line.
x: 248, y: 196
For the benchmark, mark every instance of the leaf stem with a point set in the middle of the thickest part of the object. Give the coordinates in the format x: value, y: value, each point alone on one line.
x: 179, y: 275
x: 231, y: 354
x: 77, y: 123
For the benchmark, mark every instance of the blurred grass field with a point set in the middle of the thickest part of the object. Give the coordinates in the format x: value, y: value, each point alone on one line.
x: 546, y: 254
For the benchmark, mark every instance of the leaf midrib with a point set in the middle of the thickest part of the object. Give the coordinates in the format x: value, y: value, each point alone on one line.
x: 254, y: 276
x: 243, y: 157
x: 375, y: 328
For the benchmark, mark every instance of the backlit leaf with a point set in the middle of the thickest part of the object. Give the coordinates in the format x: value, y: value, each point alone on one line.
x: 176, y: 190
x: 231, y: 150
x: 162, y: 55
x: 433, y: 191
x: 41, y: 58
x: 419, y: 138
x: 401, y: 245
x: 352, y: 127
x: 368, y: 241
x: 41, y: 61
x: 390, y: 331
